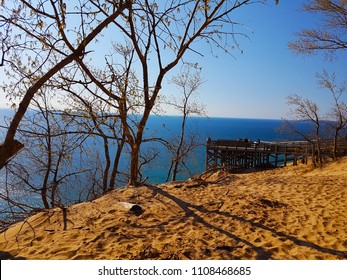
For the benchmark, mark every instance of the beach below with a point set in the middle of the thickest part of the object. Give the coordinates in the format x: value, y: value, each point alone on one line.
x: 294, y: 212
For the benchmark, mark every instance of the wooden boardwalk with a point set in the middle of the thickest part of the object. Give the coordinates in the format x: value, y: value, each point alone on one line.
x: 232, y: 154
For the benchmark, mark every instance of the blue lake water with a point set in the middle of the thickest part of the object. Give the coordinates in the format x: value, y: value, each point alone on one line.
x: 215, y: 128
x: 168, y: 127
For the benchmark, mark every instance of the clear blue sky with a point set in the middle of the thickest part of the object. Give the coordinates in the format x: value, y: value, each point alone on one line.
x: 255, y: 83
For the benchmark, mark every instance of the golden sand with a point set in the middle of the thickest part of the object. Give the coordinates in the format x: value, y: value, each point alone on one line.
x: 286, y: 213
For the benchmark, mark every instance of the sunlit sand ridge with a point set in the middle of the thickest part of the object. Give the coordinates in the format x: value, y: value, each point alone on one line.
x: 287, y: 213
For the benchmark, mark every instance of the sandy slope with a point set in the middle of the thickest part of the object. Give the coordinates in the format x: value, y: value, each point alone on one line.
x: 287, y: 213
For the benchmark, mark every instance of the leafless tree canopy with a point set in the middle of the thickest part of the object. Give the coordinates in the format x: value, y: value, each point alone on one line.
x: 331, y: 124
x: 187, y: 83
x: 331, y: 35
x: 53, y: 43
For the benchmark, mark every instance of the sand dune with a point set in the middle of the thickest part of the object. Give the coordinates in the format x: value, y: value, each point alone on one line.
x: 286, y: 213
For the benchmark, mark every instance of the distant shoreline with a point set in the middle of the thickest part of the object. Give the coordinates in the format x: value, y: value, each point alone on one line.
x: 169, y: 115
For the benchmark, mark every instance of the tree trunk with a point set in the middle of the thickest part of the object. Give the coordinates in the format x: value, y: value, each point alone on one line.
x: 9, y: 150
x: 135, y: 147
x: 169, y: 172
x: 179, y: 148
x: 335, y: 145
x: 116, y: 163
x: 134, y: 164
x: 107, y: 167
x: 44, y: 196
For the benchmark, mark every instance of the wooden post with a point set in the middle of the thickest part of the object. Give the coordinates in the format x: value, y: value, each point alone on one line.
x: 215, y: 158
x: 295, y: 160
x: 255, y: 156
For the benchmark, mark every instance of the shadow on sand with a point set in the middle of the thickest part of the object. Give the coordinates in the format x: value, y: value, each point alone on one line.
x: 262, y: 253
x: 7, y: 256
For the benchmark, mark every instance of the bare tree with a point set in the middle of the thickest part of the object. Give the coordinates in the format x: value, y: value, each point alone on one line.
x: 188, y: 83
x: 307, y: 110
x: 95, y: 118
x: 328, y: 125
x: 47, y: 161
x: 331, y: 36
x: 338, y: 113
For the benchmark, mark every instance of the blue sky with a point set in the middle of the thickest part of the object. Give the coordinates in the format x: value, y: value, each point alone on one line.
x: 255, y: 83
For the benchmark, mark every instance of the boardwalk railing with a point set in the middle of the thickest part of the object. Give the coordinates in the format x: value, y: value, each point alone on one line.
x: 246, y: 154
